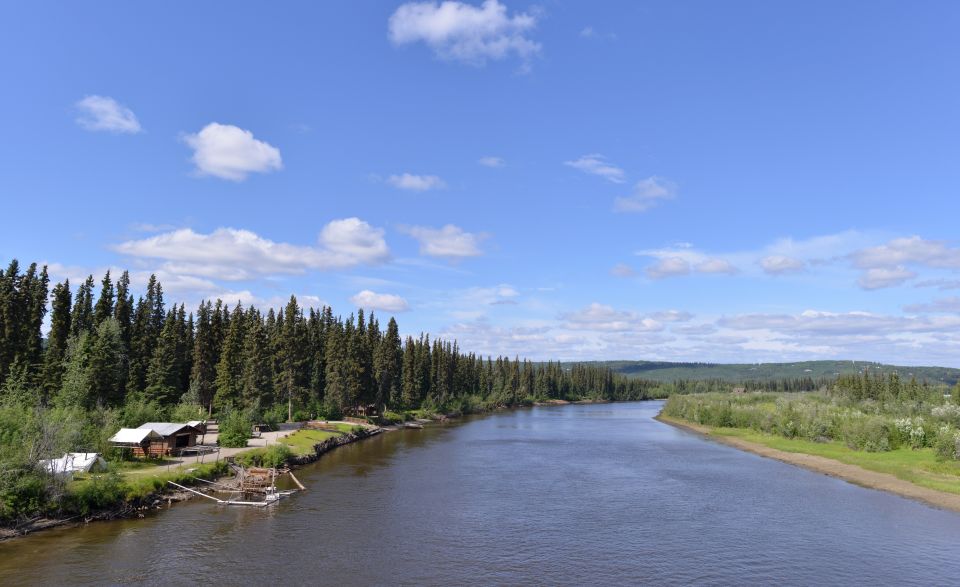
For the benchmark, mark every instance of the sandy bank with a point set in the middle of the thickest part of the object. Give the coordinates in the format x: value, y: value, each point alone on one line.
x: 847, y: 472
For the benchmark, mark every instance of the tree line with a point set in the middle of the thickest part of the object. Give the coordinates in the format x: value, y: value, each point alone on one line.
x: 105, y: 348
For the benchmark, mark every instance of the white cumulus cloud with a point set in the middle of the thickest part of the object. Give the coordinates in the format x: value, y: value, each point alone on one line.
x: 416, y: 183
x: 647, y: 193
x: 230, y: 152
x: 458, y: 31
x: 105, y: 113
x: 380, y: 301
x: 596, y: 164
x: 450, y: 242
x: 232, y: 254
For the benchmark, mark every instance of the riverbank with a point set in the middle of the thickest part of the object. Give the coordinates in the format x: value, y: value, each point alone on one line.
x: 793, y: 452
x: 164, y: 495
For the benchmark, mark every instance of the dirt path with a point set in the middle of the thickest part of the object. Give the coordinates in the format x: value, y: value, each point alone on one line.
x: 847, y: 472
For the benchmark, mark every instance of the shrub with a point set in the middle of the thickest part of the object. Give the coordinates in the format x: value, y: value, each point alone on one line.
x: 273, y: 456
x: 235, y: 428
x: 99, y: 492
x: 389, y: 417
x: 947, y: 444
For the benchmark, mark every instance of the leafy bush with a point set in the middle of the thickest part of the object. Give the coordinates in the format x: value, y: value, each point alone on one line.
x: 275, y: 455
x: 389, y: 417
x: 187, y: 412
x: 99, y: 492
x: 236, y: 428
x: 947, y: 444
x: 22, y: 492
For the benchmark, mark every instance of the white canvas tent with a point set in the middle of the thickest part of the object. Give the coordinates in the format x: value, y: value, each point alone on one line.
x: 131, y: 436
x: 75, y: 462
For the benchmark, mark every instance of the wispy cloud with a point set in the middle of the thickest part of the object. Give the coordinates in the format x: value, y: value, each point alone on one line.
x: 102, y: 113
x: 448, y: 242
x: 596, y: 164
x: 647, y: 193
x: 491, y: 161
x: 781, y: 264
x: 416, y: 183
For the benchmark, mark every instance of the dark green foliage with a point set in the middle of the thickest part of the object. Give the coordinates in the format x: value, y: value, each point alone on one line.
x: 23, y: 305
x: 104, y: 307
x: 236, y: 426
x: 272, y: 456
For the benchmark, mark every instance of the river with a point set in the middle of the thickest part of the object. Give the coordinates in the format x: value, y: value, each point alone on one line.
x: 562, y: 495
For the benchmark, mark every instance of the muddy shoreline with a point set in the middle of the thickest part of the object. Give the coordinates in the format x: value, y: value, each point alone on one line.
x: 847, y: 472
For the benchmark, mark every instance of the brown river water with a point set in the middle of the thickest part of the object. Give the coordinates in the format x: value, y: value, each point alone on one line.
x: 563, y: 495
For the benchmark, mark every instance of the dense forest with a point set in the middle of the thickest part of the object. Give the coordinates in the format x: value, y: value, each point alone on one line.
x: 111, y: 359
x: 105, y: 349
x: 764, y: 372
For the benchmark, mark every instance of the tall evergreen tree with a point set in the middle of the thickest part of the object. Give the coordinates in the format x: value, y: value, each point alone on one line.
x: 389, y: 359
x: 230, y: 367
x: 203, y: 373
x: 292, y: 359
x: 104, y: 365
x: 257, y: 376
x: 82, y: 315
x: 104, y: 307
x: 57, y: 338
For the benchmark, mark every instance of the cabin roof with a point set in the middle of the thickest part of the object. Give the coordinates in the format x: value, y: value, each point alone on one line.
x: 134, y: 435
x: 167, y: 428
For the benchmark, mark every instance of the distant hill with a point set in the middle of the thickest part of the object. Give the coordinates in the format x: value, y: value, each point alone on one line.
x: 666, y: 371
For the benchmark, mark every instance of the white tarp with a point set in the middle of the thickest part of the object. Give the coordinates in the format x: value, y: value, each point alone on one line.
x: 134, y: 436
x: 73, y: 462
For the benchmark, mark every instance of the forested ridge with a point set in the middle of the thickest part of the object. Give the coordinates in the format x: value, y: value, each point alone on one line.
x: 107, y: 348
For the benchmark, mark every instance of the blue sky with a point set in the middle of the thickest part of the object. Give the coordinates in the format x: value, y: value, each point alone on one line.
x: 738, y: 181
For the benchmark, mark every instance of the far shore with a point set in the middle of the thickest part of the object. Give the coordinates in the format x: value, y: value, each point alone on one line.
x: 847, y: 472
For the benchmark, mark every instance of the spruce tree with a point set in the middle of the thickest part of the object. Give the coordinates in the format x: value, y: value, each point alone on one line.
x: 230, y: 366
x: 389, y: 357
x: 57, y: 338
x: 163, y: 373
x: 104, y: 307
x: 203, y: 373
x: 411, y: 384
x: 82, y: 314
x: 104, y: 361
x: 257, y: 377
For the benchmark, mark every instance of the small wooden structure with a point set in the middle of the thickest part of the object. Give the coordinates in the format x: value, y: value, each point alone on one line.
x: 156, y: 439
x: 138, y: 440
x: 174, y: 437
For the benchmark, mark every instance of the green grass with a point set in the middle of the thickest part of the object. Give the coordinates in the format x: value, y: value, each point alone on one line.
x: 302, y: 441
x: 919, y: 467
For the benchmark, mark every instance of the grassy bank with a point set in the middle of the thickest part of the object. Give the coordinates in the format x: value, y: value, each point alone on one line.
x: 917, y: 466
